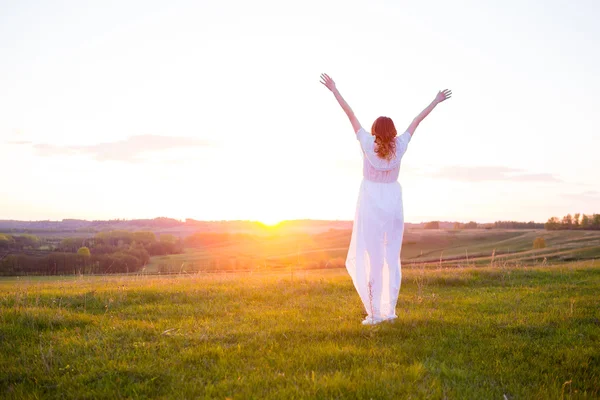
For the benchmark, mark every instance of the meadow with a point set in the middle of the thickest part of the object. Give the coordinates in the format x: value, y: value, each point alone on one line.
x: 499, y: 331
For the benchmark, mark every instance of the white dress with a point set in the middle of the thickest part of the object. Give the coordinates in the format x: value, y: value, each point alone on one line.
x: 373, y: 259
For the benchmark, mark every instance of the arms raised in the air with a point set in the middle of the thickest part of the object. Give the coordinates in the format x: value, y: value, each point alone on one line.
x: 441, y: 96
x: 330, y: 84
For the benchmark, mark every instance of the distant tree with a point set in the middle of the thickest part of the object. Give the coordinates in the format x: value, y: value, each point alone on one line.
x: 144, y: 237
x: 432, y: 225
x: 114, y: 238
x: 576, y: 221
x: 84, y: 255
x: 162, y: 248
x: 585, y: 222
x: 6, y: 241
x: 567, y: 222
x: 141, y: 254
x: 552, y: 224
x: 71, y: 244
x: 25, y: 241
x: 596, y: 221
x: 168, y: 238
x: 458, y: 225
x: 471, y: 225
x: 166, y: 222
x: 114, y: 260
x: 539, y: 243
x: 518, y: 225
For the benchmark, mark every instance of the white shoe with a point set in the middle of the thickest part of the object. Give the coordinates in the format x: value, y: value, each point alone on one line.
x: 371, y: 321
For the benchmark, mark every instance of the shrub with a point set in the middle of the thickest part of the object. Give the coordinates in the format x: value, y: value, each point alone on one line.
x: 6, y: 241
x: 84, y: 251
x: 71, y: 244
x: 539, y: 243
x: 432, y: 225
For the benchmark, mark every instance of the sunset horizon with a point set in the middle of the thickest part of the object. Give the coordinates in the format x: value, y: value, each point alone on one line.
x: 265, y: 222
x: 197, y: 110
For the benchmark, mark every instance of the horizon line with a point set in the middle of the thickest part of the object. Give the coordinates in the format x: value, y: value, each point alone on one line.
x: 187, y: 220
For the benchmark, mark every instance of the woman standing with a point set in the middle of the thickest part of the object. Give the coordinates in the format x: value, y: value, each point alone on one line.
x: 373, y: 259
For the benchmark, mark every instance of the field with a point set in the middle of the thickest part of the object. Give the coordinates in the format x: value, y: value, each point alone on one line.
x: 487, y: 332
x: 481, y: 315
x: 475, y: 247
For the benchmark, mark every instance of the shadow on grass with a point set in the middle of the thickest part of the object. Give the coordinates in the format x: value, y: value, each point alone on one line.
x: 109, y: 383
x: 40, y: 320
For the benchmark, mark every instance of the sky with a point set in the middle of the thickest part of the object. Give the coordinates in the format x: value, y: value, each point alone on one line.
x: 213, y: 110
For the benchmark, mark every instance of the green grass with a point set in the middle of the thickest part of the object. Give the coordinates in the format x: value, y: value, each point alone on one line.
x: 474, y: 333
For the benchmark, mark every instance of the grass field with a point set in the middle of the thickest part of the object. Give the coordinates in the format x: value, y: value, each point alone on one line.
x: 462, y: 333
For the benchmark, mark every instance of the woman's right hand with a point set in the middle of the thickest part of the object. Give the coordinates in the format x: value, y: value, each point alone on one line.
x: 443, y: 95
x: 328, y: 82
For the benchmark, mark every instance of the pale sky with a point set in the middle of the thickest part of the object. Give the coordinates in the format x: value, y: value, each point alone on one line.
x: 213, y: 109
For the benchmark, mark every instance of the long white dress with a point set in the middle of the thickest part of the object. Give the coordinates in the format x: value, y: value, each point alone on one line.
x: 373, y: 259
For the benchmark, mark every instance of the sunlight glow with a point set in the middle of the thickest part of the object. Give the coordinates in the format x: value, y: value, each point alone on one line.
x: 270, y: 221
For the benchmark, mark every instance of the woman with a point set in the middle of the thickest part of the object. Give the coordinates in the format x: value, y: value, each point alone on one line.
x: 373, y: 259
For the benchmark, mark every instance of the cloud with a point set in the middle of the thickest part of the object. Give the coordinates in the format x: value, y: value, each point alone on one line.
x: 544, y: 177
x: 131, y: 148
x: 591, y: 193
x: 127, y: 150
x: 585, y: 196
x: 50, y: 150
x: 490, y: 173
x: 19, y: 142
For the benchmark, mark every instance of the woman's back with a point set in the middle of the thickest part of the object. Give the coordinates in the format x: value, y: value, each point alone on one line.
x: 373, y: 260
x: 375, y: 168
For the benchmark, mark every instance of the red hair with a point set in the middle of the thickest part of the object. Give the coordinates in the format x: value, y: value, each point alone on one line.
x: 385, y: 134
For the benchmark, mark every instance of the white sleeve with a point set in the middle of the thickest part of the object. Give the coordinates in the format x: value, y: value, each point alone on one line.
x: 402, y: 144
x: 363, y: 137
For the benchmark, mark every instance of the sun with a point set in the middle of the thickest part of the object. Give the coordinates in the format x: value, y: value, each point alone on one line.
x: 269, y: 214
x: 270, y: 221
x: 270, y: 217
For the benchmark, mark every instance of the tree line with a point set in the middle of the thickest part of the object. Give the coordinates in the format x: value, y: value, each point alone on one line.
x: 475, y: 225
x: 574, y: 222
x: 106, y: 252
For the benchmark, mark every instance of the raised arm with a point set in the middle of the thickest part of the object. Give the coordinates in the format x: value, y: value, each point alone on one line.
x: 441, y: 96
x: 330, y: 84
